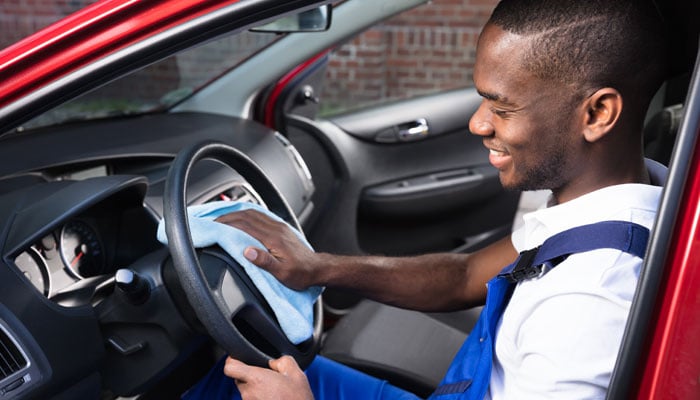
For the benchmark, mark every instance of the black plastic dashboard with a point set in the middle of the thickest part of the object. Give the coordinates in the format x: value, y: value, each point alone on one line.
x: 80, y: 201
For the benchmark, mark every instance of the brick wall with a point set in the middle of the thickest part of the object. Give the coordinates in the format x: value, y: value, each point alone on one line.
x: 428, y: 49
x: 19, y: 18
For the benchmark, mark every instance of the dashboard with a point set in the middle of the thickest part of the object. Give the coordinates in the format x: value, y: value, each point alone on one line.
x: 78, y: 203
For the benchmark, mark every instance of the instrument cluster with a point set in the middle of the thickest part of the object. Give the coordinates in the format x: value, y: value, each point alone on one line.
x: 73, y: 252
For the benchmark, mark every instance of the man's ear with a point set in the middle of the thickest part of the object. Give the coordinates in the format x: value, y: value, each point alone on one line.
x: 602, y: 111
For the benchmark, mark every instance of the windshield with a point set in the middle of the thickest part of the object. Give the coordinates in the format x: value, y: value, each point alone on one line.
x: 160, y: 85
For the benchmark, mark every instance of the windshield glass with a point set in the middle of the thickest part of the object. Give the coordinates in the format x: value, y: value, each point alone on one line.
x: 160, y: 85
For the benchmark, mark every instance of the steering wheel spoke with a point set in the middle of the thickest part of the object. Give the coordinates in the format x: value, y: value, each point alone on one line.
x: 229, y: 294
x: 223, y: 285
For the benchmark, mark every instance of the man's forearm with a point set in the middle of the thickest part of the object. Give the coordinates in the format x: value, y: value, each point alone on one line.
x: 432, y: 282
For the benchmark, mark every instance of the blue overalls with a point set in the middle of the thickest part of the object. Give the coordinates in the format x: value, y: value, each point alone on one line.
x: 470, y: 372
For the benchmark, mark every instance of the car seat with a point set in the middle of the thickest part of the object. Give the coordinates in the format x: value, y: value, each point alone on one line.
x: 410, y: 349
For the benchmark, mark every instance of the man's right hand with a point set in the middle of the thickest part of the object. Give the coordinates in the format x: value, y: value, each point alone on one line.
x: 283, y: 380
x: 285, y: 256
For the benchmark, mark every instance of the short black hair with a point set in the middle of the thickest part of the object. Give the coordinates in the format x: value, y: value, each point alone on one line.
x: 591, y: 44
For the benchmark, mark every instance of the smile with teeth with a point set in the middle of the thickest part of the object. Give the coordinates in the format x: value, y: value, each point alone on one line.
x: 499, y: 158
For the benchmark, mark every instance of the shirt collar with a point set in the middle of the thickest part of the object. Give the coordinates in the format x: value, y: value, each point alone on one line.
x: 609, y: 203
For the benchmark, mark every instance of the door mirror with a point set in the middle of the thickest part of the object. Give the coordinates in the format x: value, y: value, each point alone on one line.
x: 314, y: 20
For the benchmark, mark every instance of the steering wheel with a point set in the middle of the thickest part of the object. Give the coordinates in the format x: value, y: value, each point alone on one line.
x: 229, y: 306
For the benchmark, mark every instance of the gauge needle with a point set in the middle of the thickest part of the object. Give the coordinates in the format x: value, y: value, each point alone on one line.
x: 79, y: 255
x: 76, y: 259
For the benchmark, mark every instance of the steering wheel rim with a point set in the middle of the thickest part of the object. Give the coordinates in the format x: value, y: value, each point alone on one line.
x: 229, y: 311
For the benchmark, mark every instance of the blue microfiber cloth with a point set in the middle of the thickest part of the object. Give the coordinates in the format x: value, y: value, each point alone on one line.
x: 293, y: 309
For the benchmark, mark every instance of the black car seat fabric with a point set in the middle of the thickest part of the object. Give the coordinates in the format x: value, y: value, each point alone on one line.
x: 660, y: 133
x: 410, y: 349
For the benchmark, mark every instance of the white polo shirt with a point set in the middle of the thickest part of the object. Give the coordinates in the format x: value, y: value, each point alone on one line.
x: 560, y: 334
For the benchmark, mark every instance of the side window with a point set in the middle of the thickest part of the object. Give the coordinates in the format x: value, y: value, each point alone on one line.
x: 425, y: 50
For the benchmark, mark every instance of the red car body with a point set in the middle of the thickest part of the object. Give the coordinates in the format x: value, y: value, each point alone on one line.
x: 669, y: 357
x: 671, y: 367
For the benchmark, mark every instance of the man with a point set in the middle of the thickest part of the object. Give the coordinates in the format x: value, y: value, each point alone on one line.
x: 565, y: 87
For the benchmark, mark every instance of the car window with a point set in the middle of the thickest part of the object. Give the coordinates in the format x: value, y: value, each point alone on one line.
x: 425, y: 50
x: 160, y: 85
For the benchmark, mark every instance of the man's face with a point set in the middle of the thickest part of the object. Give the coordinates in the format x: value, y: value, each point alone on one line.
x: 528, y: 124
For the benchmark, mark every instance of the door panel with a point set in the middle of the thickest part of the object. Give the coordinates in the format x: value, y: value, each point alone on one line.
x: 419, y: 118
x: 436, y: 193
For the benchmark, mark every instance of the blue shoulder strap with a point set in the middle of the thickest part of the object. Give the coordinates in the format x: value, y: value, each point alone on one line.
x: 620, y: 235
x: 469, y: 374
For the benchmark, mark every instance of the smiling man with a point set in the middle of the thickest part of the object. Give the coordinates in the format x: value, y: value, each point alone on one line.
x: 560, y: 96
x: 565, y: 86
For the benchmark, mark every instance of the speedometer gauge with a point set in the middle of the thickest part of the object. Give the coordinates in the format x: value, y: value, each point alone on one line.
x: 34, y: 267
x: 81, y: 249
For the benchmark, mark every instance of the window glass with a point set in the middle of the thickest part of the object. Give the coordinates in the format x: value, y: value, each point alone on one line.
x: 425, y: 50
x: 160, y: 85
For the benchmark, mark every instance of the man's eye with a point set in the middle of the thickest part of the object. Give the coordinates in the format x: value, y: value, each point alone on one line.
x: 500, y: 113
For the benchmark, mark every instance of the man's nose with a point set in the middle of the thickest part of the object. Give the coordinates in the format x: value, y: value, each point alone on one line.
x: 480, y: 122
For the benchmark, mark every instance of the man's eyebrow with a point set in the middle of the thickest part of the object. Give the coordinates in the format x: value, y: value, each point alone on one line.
x: 495, y: 97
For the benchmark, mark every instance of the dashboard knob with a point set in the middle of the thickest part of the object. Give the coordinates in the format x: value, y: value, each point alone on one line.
x: 132, y: 286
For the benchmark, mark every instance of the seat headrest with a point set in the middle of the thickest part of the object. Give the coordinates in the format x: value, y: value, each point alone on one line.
x: 660, y: 133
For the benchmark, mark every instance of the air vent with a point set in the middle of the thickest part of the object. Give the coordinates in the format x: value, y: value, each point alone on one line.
x: 240, y: 193
x: 11, y: 357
